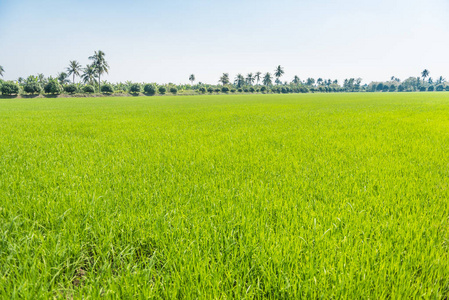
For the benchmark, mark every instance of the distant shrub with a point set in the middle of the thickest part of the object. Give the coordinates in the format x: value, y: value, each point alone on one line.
x: 210, y: 90
x: 392, y: 88
x: 149, y: 89
x: 380, y: 87
x: 135, y: 88
x: 53, y: 87
x: 447, y: 88
x: 162, y: 90
x: 400, y: 88
x: 422, y: 89
x: 225, y: 89
x: 233, y: 90
x: 303, y: 89
x: 252, y: 90
x: 284, y: 90
x: 89, y: 89
x: 173, y: 90
x: 107, y: 88
x: 240, y: 90
x: 263, y: 89
x: 440, y: 88
x: 32, y: 88
x: 70, y: 88
x: 10, y: 88
x: 216, y: 90
x: 431, y: 88
x: 246, y: 90
x: 257, y: 90
x: 202, y: 90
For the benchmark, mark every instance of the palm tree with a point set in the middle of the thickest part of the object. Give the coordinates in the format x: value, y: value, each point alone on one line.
x: 425, y: 74
x: 1, y: 71
x: 296, y: 80
x: 89, y: 74
x: 239, y: 80
x: 250, y: 79
x: 41, y: 78
x: 192, y: 78
x: 224, y: 79
x: 100, y: 64
x: 257, y: 76
x: 74, y: 68
x: 278, y: 73
x: 63, y: 78
x: 267, y: 79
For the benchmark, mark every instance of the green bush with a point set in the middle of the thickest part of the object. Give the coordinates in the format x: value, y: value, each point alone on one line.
x: 422, y: 89
x: 217, y: 90
x: 263, y: 89
x: 210, y: 90
x: 440, y: 88
x: 162, y: 90
x: 10, y: 88
x: 202, y: 90
x: 71, y: 88
x: 89, y: 89
x: 225, y: 89
x: 32, y: 88
x: 252, y: 90
x: 233, y: 90
x: 107, y: 88
x: 240, y: 90
x: 150, y: 89
x: 173, y: 90
x: 135, y: 88
x: 447, y: 88
x: 400, y: 88
x: 392, y: 88
x: 431, y: 88
x: 53, y: 87
x: 246, y: 90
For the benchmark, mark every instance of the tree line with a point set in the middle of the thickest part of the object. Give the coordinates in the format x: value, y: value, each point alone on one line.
x: 90, y: 83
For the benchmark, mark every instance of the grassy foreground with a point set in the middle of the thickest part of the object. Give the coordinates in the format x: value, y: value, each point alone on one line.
x: 264, y: 196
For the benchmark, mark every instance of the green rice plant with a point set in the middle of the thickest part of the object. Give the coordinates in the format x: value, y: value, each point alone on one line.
x: 226, y: 196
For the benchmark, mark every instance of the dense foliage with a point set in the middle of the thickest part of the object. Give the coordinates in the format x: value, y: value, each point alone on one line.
x: 10, y: 88
x: 53, y: 87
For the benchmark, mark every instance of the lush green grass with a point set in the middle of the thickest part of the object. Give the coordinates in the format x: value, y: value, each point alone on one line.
x: 267, y: 196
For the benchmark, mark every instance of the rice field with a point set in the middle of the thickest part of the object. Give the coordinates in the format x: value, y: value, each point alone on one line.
x: 221, y: 197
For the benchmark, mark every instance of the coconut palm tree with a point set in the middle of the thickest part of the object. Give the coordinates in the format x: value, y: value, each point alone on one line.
x: 425, y: 74
x: 296, y: 80
x: 224, y: 79
x: 239, y: 80
x: 267, y: 79
x: 63, y: 78
x: 250, y: 79
x: 257, y: 76
x: 74, y: 68
x: 1, y: 71
x: 192, y: 78
x: 100, y: 64
x: 278, y: 73
x: 89, y: 74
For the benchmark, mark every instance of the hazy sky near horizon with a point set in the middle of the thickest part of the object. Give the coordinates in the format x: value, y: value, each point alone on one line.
x: 166, y: 41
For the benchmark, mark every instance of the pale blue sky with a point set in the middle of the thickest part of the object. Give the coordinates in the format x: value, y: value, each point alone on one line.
x: 166, y: 41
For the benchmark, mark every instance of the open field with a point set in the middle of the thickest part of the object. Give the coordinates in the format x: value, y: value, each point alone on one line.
x: 263, y: 196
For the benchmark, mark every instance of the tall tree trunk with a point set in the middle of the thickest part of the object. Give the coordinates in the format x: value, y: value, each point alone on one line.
x: 73, y: 78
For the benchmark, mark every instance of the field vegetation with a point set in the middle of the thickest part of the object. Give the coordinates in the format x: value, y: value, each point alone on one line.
x: 246, y: 196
